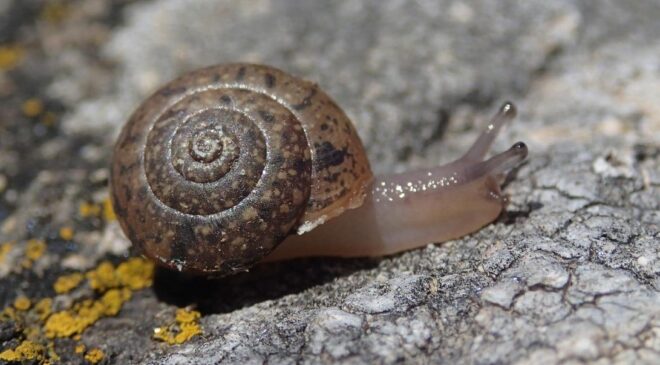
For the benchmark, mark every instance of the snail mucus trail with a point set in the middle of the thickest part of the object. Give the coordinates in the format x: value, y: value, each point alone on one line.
x: 235, y: 164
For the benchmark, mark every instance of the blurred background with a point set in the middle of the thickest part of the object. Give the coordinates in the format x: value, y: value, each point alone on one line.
x: 418, y: 78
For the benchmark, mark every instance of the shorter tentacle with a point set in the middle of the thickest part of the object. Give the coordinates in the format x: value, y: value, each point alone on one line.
x: 481, y: 146
x: 497, y: 164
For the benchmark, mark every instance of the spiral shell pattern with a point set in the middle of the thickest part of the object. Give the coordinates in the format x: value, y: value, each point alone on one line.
x: 217, y: 167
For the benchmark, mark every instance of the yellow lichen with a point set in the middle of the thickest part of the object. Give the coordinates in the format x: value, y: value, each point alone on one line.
x: 27, y: 350
x: 113, y: 300
x: 171, y: 336
x: 48, y: 119
x: 32, y: 333
x: 55, y: 12
x: 185, y: 328
x: 10, y: 56
x: 43, y: 308
x: 74, y: 321
x: 103, y: 209
x: 66, y: 283
x: 188, y: 331
x: 53, y: 357
x: 186, y: 316
x: 35, y: 249
x: 80, y: 348
x: 164, y: 334
x: 66, y: 233
x: 103, y: 277
x: 94, y: 356
x: 89, y: 210
x: 108, y: 211
x: 4, y: 250
x: 113, y: 285
x: 63, y: 324
x: 9, y: 312
x: 22, y: 303
x: 32, y: 107
x: 136, y: 273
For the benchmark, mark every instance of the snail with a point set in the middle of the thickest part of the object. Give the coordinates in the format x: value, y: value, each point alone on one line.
x: 235, y: 164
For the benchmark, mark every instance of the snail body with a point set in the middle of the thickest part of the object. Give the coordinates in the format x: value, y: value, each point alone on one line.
x: 217, y: 168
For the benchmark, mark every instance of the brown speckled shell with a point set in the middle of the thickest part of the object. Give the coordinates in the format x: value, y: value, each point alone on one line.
x: 217, y: 167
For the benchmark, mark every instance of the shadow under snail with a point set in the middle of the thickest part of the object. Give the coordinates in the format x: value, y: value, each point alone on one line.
x: 235, y: 164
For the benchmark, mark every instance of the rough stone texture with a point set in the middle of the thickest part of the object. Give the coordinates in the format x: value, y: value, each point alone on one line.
x: 569, y: 274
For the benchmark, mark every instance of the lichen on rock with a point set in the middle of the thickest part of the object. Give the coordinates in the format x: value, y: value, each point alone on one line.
x: 569, y: 273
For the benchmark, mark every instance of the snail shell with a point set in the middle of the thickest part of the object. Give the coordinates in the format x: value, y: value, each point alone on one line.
x: 217, y: 167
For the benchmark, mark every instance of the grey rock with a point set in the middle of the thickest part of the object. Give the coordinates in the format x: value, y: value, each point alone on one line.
x: 332, y: 332
x: 555, y: 308
x: 569, y: 274
x: 503, y: 292
x: 593, y: 281
x: 541, y: 270
x: 354, y: 51
x: 398, y: 294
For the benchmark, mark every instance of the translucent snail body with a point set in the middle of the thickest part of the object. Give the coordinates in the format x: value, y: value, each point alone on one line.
x: 217, y: 168
x: 415, y: 208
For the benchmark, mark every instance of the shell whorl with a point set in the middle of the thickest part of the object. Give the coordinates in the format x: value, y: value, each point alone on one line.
x: 217, y: 167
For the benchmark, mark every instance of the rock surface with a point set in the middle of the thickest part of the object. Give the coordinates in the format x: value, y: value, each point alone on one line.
x: 569, y: 274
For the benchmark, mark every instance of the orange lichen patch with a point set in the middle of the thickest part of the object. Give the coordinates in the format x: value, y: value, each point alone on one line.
x: 89, y: 210
x: 66, y: 283
x: 113, y: 286
x: 94, y: 356
x: 9, y: 312
x: 187, y: 316
x: 48, y: 119
x: 108, y: 211
x: 28, y: 317
x: 66, y: 233
x: 64, y: 324
x: 32, y: 107
x: 103, y: 277
x: 53, y: 357
x: 186, y: 327
x: 114, y: 299
x: 73, y: 322
x: 22, y: 303
x: 80, y: 348
x: 10, y: 56
x: 27, y: 350
x: 116, y: 284
x: 164, y: 334
x: 55, y: 12
x: 4, y: 250
x: 35, y: 249
x: 43, y: 308
x: 103, y: 209
x: 135, y: 273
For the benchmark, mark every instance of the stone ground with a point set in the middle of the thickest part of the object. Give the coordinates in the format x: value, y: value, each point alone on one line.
x: 569, y: 274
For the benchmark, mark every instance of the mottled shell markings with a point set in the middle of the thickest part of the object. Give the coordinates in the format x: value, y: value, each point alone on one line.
x: 217, y: 167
